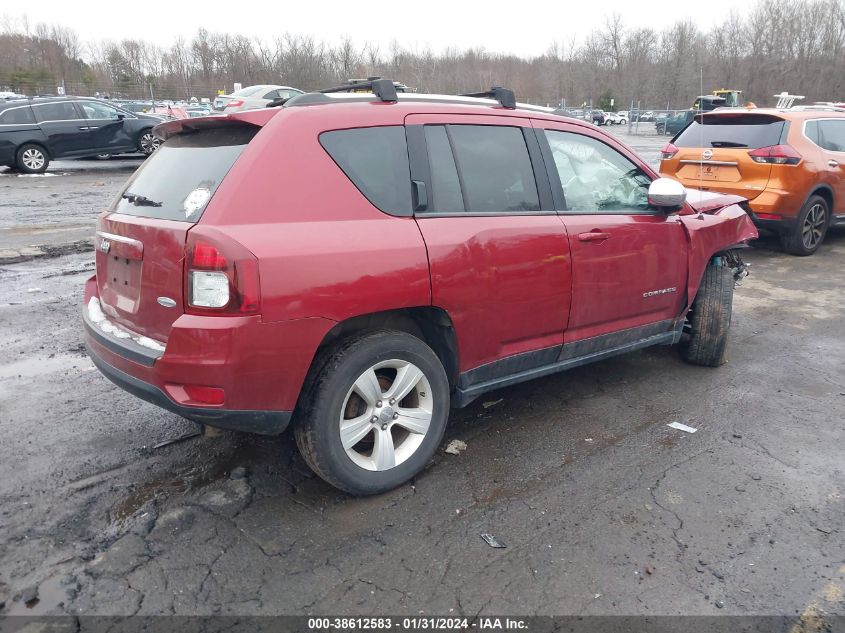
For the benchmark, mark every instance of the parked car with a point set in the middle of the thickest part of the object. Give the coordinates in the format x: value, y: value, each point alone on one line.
x: 253, y: 97
x: 595, y: 116
x: 615, y: 118
x: 170, y: 111
x: 270, y: 304
x: 35, y: 131
x: 790, y: 164
x: 675, y: 123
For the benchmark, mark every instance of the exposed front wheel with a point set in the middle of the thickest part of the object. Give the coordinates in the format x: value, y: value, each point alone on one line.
x: 32, y: 159
x: 148, y: 142
x: 710, y: 318
x: 375, y: 412
x: 810, y: 229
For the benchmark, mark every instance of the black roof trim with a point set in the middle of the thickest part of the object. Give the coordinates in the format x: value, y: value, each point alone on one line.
x: 502, y: 95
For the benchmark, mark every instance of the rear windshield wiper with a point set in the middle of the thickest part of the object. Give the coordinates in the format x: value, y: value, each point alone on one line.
x: 139, y: 200
x: 726, y: 144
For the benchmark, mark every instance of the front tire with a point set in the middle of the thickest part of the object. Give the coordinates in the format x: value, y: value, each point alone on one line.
x: 148, y: 142
x: 710, y: 318
x: 810, y: 228
x: 32, y: 159
x: 375, y: 412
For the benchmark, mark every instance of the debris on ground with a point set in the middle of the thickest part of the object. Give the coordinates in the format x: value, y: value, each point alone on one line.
x: 492, y: 403
x: 455, y: 447
x: 174, y: 440
x: 29, y: 595
x: 588, y: 439
x: 682, y: 427
x: 238, y: 473
x: 720, y: 604
x: 492, y: 541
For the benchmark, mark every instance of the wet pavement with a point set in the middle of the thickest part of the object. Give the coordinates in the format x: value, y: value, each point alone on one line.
x: 602, y: 507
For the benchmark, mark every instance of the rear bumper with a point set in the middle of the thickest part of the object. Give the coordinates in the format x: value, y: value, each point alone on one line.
x: 263, y: 422
x: 260, y: 367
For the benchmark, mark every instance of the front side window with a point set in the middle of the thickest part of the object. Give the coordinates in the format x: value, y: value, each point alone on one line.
x: 95, y: 110
x: 375, y: 159
x: 832, y: 135
x: 59, y: 111
x: 595, y: 177
x: 494, y: 168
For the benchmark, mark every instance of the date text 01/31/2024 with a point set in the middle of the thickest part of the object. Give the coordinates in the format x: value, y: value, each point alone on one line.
x: 420, y: 623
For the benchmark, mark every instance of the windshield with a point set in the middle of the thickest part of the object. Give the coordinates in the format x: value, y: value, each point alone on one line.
x: 178, y: 180
x: 745, y: 130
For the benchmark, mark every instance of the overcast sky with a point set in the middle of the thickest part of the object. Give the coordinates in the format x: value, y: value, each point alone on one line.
x: 522, y: 28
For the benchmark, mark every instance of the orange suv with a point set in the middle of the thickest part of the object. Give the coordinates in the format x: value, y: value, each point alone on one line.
x: 789, y: 164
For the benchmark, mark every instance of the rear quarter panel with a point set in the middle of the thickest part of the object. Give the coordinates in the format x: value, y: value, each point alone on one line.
x: 323, y: 249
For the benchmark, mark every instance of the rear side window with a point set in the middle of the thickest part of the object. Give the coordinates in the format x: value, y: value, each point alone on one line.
x: 745, y: 130
x: 375, y: 159
x: 832, y: 135
x: 178, y: 180
x: 19, y: 115
x: 59, y: 111
x: 494, y: 168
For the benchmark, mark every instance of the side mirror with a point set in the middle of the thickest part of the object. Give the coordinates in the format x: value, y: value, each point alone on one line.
x: 667, y: 194
x: 120, y: 116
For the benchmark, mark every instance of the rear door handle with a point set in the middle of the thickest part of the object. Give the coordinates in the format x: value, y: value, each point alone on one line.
x: 593, y: 236
x: 833, y: 163
x: 82, y: 128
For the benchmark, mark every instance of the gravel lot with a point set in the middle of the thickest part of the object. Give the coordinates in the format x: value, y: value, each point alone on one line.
x: 603, y: 508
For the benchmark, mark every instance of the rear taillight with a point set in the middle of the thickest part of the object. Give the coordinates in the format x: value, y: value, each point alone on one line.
x: 235, y: 103
x: 221, y: 275
x: 668, y: 152
x: 776, y: 155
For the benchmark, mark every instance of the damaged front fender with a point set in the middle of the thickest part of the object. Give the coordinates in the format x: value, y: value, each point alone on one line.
x: 711, y: 232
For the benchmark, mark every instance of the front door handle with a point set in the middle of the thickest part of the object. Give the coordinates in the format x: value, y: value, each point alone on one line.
x: 833, y: 163
x: 82, y: 128
x: 593, y: 236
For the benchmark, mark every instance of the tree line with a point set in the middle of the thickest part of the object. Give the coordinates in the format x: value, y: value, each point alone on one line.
x: 791, y: 45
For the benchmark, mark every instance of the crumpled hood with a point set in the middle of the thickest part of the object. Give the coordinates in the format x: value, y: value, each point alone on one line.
x: 711, y: 201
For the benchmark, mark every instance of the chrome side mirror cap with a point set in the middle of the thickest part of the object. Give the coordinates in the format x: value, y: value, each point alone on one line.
x: 665, y: 193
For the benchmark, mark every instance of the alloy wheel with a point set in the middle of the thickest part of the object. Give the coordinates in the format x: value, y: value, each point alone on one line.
x: 33, y: 159
x: 386, y: 415
x: 149, y: 143
x: 813, y: 228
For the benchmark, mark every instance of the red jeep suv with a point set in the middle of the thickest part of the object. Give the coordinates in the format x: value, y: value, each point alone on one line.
x: 356, y: 264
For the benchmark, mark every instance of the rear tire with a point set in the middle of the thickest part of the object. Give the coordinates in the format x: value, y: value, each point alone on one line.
x: 710, y: 318
x: 32, y: 159
x: 352, y: 433
x: 810, y: 228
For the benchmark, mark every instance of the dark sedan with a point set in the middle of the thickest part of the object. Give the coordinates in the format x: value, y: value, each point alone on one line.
x: 35, y: 131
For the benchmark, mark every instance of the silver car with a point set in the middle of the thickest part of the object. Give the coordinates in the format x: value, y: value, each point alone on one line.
x: 253, y: 97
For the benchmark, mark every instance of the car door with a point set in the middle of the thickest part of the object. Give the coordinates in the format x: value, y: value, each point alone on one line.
x: 629, y: 262
x: 832, y: 142
x: 107, y: 130
x: 498, y: 253
x: 63, y: 126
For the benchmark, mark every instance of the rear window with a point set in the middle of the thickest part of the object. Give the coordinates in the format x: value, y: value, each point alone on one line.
x: 178, y: 180
x: 747, y: 130
x: 17, y: 115
x: 375, y: 159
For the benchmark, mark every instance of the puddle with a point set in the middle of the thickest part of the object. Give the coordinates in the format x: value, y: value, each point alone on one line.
x: 51, y: 593
x: 246, y: 453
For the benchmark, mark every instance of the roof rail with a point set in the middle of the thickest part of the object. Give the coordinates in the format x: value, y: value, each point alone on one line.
x: 505, y: 97
x: 818, y: 108
x: 382, y: 88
